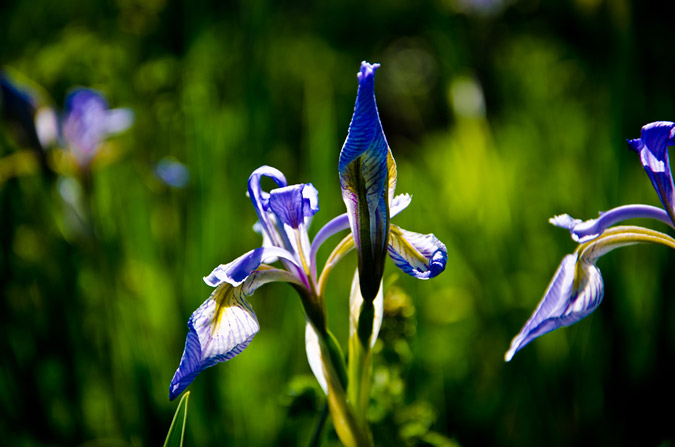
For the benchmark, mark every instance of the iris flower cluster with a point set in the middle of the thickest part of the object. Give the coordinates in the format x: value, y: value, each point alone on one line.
x: 577, y: 287
x: 224, y: 325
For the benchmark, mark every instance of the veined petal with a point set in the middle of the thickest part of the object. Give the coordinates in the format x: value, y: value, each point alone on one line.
x: 294, y: 205
x: 237, y: 271
x: 420, y: 255
x: 366, y: 169
x: 577, y: 288
x: 222, y: 327
x: 653, y: 149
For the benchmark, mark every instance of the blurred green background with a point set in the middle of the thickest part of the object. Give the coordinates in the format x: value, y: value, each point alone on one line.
x: 500, y: 113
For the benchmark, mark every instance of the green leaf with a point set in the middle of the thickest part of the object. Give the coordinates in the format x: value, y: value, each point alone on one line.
x: 175, y: 436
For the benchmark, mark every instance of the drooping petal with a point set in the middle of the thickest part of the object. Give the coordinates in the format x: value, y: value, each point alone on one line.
x: 653, y: 149
x: 294, y: 205
x: 222, y: 327
x: 552, y: 312
x: 219, y: 330
x: 366, y: 169
x: 577, y: 288
x: 118, y: 120
x: 420, y: 255
x: 237, y: 271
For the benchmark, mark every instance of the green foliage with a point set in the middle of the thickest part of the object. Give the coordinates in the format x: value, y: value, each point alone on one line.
x: 177, y: 430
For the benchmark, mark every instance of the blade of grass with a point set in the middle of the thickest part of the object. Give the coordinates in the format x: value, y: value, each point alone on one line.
x: 175, y: 436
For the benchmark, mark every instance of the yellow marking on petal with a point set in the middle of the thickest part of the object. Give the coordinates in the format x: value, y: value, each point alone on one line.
x: 396, y: 231
x: 223, y: 298
x: 616, y: 237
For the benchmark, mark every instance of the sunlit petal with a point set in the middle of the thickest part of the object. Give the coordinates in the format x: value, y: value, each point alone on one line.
x: 219, y: 330
x: 653, y: 149
x: 223, y: 326
x: 420, y: 255
x: 577, y: 288
x: 239, y: 270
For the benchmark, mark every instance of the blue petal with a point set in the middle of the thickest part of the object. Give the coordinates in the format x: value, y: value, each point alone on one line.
x: 563, y: 303
x: 239, y: 270
x: 260, y: 199
x: 367, y: 171
x: 294, y: 205
x: 219, y: 330
x: 420, y: 255
x: 653, y: 149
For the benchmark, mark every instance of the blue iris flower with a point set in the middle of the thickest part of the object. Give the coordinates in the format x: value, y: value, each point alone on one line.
x: 577, y: 288
x: 87, y: 121
x: 224, y: 325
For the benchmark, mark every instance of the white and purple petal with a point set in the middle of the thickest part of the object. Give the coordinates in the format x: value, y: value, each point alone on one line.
x: 577, y: 288
x: 563, y: 304
x: 223, y: 326
x: 237, y: 271
x: 653, y: 149
x: 219, y: 330
x: 420, y: 255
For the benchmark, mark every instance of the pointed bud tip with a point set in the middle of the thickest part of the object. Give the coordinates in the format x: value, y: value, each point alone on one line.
x: 367, y: 71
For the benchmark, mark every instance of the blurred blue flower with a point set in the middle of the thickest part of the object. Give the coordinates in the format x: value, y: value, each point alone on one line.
x: 368, y: 180
x: 87, y: 121
x: 172, y: 172
x: 577, y: 288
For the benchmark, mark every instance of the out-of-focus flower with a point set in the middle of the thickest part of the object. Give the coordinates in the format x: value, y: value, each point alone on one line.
x: 172, y: 172
x: 577, y: 288
x: 87, y: 121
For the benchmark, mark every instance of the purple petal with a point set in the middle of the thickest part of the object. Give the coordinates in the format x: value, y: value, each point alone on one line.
x: 294, y: 205
x: 653, y: 149
x: 260, y: 198
x: 420, y: 255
